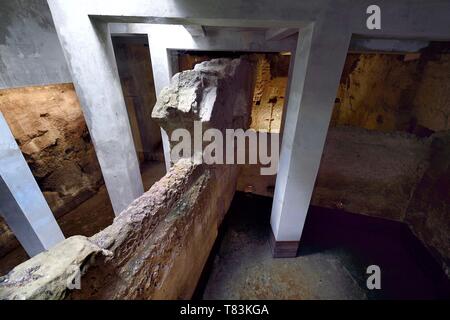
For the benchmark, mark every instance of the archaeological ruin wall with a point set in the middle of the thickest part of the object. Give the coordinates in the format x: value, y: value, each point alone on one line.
x: 157, y: 247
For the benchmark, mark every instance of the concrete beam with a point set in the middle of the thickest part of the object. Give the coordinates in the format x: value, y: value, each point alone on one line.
x: 280, y: 34
x: 400, y: 19
x: 21, y: 201
x: 196, y: 30
x: 319, y: 61
x: 173, y: 37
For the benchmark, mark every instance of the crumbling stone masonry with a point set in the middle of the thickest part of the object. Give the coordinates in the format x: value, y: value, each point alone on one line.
x: 157, y: 247
x: 209, y: 94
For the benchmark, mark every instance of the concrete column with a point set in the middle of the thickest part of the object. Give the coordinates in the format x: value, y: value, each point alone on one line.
x: 319, y: 61
x: 162, y: 74
x: 88, y: 49
x: 21, y: 201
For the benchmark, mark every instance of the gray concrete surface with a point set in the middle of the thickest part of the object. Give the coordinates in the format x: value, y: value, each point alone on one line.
x: 30, y: 53
x: 319, y: 60
x: 21, y: 201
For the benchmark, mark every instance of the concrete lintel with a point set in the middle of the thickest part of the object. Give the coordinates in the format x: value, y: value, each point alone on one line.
x: 317, y: 69
x: 195, y: 30
x: 400, y: 19
x: 174, y: 37
x: 21, y: 201
x: 279, y: 34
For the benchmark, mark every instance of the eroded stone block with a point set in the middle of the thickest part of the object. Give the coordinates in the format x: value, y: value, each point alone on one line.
x: 49, y: 274
x: 218, y: 93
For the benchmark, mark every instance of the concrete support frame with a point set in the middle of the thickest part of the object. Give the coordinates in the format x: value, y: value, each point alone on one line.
x: 83, y: 32
x: 166, y: 38
x: 21, y: 201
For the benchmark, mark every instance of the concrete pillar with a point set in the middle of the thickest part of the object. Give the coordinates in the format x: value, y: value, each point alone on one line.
x: 162, y: 74
x: 319, y: 61
x: 21, y: 201
x: 89, y: 53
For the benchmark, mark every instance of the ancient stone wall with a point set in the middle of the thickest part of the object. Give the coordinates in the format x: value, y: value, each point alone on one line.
x: 376, y: 92
x: 395, y: 93
x: 428, y: 213
x: 50, y: 129
x: 270, y: 91
x: 391, y: 92
x: 370, y: 172
x: 217, y: 94
x: 432, y: 100
x: 271, y: 78
x: 362, y: 171
x: 157, y: 247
